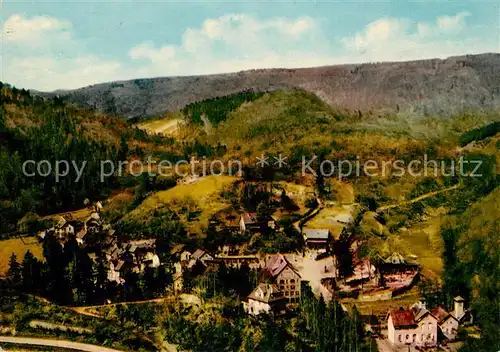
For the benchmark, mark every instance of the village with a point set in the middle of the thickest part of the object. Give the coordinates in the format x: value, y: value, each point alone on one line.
x: 326, y: 259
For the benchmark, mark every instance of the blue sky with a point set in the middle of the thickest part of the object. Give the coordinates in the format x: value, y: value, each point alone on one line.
x: 69, y: 44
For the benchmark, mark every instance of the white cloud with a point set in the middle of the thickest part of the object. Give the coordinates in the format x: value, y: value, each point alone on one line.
x: 235, y: 42
x: 42, y: 52
x: 18, y: 28
x: 396, y: 39
x: 452, y: 23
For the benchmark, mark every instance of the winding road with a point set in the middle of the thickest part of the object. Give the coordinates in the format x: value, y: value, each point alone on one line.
x: 77, y: 346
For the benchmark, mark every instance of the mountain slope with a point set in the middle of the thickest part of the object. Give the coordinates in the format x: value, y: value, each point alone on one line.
x: 440, y: 87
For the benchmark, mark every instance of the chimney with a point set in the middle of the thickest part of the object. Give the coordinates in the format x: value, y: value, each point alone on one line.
x: 459, y: 307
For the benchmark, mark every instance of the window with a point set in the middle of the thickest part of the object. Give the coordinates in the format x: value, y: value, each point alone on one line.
x: 292, y: 281
x: 430, y: 326
x: 399, y: 338
x: 414, y: 337
x: 282, y: 282
x: 407, y: 337
x: 422, y: 337
x: 292, y: 287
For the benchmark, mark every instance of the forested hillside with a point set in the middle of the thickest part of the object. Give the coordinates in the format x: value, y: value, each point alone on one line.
x: 419, y: 88
x: 37, y: 129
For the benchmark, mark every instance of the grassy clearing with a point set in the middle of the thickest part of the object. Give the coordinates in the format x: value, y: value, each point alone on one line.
x: 424, y: 241
x: 168, y: 125
x: 19, y: 246
x: 381, y: 307
x: 202, y: 197
x: 325, y: 219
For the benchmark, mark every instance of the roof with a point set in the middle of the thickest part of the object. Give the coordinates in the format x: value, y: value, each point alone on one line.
x: 81, y: 234
x: 249, y: 218
x: 402, y: 317
x: 420, y: 313
x: 441, y: 314
x: 149, y: 243
x: 408, y: 317
x: 459, y: 299
x: 276, y: 264
x: 316, y: 234
x: 198, y: 253
x: 119, y: 265
x: 266, y: 293
x: 395, y: 258
x: 344, y: 218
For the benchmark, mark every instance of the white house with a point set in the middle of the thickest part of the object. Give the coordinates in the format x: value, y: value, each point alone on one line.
x: 447, y: 323
x: 266, y: 298
x: 416, y: 327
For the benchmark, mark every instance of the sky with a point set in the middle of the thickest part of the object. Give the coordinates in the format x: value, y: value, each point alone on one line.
x: 49, y: 45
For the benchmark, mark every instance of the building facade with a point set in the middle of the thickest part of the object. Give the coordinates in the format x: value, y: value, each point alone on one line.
x: 265, y: 299
x: 412, y: 327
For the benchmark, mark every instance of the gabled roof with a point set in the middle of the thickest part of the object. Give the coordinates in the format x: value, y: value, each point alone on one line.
x: 276, y: 264
x: 402, y: 318
x: 249, y: 218
x: 266, y: 293
x: 82, y: 233
x: 198, y: 254
x: 316, y: 234
x: 442, y: 315
x: 420, y: 313
x: 60, y: 221
x: 408, y: 317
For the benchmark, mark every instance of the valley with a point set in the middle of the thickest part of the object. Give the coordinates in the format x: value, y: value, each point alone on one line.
x: 261, y: 254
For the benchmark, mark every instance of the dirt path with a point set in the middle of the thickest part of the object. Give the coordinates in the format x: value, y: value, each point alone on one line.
x: 419, y: 198
x: 186, y: 298
x: 55, y: 343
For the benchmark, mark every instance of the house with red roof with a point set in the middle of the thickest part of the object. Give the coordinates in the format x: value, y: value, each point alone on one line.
x: 447, y: 323
x: 416, y: 326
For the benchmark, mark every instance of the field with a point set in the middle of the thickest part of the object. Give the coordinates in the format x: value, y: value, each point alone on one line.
x: 381, y: 307
x: 19, y: 246
x: 424, y: 241
x: 202, y: 197
x: 326, y: 219
x: 167, y: 126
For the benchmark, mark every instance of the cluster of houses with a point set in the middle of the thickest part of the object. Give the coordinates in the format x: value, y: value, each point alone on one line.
x: 279, y: 286
x: 419, y: 326
x: 129, y: 257
x: 64, y: 229
x: 279, y: 281
x: 101, y: 243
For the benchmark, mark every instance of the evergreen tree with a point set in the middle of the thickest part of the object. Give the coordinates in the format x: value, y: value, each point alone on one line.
x: 14, y: 273
x: 31, y: 272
